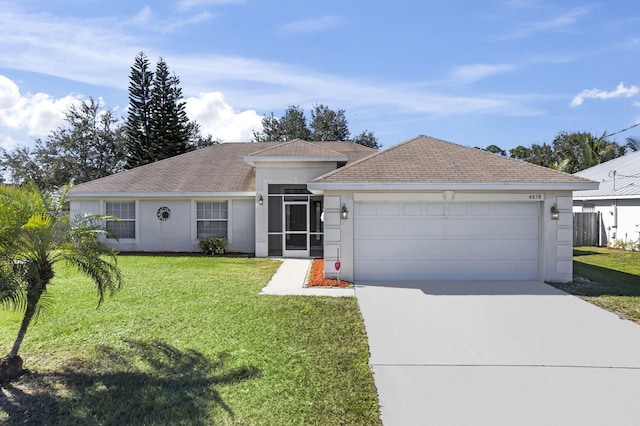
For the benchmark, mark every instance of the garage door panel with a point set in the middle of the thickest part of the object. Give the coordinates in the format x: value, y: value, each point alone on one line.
x: 487, y: 251
x: 446, y: 241
x: 364, y: 210
x: 413, y: 209
x: 485, y: 229
x: 393, y: 249
x: 435, y: 209
x: 393, y: 210
x: 482, y: 210
x: 527, y: 210
x: 458, y: 210
x: 474, y: 228
x: 441, y: 251
x: 374, y: 231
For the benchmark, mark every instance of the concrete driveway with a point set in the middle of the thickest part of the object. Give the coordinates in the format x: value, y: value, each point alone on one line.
x: 498, y: 353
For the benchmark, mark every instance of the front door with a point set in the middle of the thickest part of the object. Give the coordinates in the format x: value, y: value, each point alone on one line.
x: 296, y: 229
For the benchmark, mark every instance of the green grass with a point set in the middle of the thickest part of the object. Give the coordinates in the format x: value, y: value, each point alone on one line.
x: 188, y: 340
x: 612, y: 279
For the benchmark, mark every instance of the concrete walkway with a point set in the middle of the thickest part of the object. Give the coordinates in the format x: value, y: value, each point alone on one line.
x: 498, y: 353
x: 290, y: 279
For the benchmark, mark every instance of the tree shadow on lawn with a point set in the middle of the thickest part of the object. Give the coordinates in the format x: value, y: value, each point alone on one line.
x: 148, y: 383
x: 581, y: 252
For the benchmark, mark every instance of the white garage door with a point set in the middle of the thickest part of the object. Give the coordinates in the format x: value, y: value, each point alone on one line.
x: 430, y: 241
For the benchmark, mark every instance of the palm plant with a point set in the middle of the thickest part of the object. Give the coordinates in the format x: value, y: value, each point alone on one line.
x: 34, y: 236
x: 596, y: 150
x: 633, y: 143
x: 561, y: 166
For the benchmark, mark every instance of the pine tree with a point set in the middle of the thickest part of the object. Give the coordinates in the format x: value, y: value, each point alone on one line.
x: 271, y: 130
x: 169, y: 122
x: 328, y: 125
x: 157, y: 126
x: 138, y: 124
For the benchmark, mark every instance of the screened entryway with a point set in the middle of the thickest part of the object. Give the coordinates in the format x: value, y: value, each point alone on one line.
x: 294, y: 222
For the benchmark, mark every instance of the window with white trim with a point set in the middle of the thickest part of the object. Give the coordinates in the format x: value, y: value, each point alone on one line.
x: 125, y: 226
x: 211, y: 219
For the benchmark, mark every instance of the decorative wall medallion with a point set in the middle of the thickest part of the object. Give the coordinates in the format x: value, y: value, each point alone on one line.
x: 164, y: 213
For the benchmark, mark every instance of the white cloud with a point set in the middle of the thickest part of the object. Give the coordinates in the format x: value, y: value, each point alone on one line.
x: 147, y: 19
x: 7, y: 142
x: 195, y: 19
x: 564, y: 20
x: 37, y: 114
x: 97, y: 51
x: 620, y: 92
x: 275, y: 85
x: 187, y: 4
x: 522, y: 4
x: 220, y: 120
x: 472, y: 73
x: 9, y: 93
x: 313, y: 25
x: 144, y: 16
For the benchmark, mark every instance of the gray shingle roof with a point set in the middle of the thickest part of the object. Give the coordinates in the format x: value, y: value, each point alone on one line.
x: 429, y: 160
x: 218, y: 168
x: 222, y: 168
x: 299, y: 148
x: 624, y: 182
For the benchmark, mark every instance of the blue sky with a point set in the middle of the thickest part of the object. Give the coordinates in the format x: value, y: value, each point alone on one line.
x: 503, y: 72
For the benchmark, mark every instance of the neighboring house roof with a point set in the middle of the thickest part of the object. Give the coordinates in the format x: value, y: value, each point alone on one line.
x: 619, y: 178
x: 219, y: 168
x: 429, y: 163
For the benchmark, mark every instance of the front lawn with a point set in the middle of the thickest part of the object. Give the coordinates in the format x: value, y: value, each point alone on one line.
x: 189, y: 341
x: 611, y: 279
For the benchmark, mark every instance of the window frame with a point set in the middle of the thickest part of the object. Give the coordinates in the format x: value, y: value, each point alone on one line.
x: 135, y: 220
x: 196, y: 220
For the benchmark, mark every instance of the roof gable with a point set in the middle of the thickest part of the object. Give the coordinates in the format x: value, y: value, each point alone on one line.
x: 426, y: 160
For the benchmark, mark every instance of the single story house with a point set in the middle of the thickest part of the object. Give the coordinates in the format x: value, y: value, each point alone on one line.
x: 424, y: 209
x: 617, y: 198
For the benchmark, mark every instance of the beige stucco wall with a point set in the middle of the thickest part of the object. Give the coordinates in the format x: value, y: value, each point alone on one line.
x: 178, y: 234
x: 338, y: 243
x: 557, y: 238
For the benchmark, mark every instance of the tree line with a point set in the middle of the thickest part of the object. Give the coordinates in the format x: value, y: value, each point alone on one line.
x: 570, y: 152
x: 325, y: 125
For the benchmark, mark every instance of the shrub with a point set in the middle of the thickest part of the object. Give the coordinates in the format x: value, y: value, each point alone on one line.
x: 213, y: 246
x: 630, y: 245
